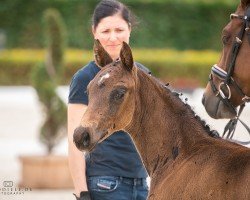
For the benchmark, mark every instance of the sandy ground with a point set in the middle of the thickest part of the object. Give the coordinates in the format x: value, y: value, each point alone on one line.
x: 20, y: 118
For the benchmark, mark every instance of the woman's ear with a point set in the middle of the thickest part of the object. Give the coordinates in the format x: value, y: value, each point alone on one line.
x: 130, y: 28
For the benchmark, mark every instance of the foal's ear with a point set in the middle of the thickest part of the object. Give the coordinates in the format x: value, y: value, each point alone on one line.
x: 102, y: 57
x: 126, y: 57
x: 245, y: 3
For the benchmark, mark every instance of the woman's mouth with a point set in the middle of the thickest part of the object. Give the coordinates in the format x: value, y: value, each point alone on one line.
x: 113, y: 45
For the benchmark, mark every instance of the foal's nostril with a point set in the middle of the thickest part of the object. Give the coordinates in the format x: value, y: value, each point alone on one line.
x: 81, y: 137
x: 86, y: 139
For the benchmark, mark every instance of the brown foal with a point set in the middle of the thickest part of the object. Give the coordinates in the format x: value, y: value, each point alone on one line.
x: 184, y: 159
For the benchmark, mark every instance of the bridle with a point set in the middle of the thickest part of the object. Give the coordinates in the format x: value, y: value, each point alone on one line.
x: 224, y: 90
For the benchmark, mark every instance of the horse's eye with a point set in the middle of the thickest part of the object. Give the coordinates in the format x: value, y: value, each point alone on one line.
x: 226, y: 39
x: 118, y: 94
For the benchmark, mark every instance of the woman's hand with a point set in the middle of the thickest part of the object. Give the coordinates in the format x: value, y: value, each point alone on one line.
x: 83, y: 196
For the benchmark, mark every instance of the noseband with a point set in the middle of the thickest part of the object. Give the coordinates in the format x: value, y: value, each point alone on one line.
x: 224, y: 91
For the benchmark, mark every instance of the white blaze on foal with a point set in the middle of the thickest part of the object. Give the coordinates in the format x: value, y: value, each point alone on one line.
x: 103, y: 78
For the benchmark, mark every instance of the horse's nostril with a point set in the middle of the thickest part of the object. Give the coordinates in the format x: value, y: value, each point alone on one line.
x: 86, y: 139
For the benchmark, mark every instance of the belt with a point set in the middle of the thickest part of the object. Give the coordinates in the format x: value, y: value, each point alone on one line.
x: 133, y: 181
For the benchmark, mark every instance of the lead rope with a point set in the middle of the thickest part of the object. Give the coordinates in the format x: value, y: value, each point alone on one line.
x: 230, y: 128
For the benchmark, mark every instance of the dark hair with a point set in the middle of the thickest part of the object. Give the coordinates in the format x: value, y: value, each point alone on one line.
x: 107, y: 8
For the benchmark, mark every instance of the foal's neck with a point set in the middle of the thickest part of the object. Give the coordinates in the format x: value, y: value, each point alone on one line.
x: 163, y: 128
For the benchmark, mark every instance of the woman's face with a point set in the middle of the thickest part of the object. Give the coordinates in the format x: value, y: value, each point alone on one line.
x: 111, y: 32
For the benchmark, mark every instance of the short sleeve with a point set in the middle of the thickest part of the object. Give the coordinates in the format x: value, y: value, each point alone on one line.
x: 78, y: 88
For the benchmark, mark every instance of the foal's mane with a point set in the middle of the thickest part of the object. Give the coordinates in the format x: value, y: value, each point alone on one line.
x: 176, y: 95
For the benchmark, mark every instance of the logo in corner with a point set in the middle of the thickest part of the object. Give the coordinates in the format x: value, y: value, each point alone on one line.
x: 8, y: 183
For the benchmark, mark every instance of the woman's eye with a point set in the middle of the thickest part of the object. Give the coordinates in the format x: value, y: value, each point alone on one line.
x: 119, y: 30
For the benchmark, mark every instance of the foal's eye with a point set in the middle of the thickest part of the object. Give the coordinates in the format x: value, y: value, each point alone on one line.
x: 118, y: 94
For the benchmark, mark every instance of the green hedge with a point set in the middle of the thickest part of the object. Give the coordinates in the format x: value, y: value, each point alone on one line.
x: 170, y: 65
x: 178, y: 24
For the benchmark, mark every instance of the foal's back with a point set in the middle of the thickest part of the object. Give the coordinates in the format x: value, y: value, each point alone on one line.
x: 217, y: 169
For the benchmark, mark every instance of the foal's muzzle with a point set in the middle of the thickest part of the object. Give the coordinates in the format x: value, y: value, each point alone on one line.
x: 82, y: 138
x: 86, y: 138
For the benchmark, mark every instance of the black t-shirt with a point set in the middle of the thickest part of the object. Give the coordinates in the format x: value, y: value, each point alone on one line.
x: 116, y: 155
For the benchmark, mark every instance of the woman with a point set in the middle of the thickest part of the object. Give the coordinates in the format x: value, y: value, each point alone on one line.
x: 114, y: 169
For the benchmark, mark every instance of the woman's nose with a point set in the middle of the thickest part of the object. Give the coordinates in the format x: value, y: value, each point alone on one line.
x: 113, y: 36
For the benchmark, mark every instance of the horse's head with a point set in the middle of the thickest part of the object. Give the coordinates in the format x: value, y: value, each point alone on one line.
x: 111, y: 98
x: 229, y: 81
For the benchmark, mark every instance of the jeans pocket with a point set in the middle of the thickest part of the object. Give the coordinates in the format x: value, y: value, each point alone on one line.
x: 103, y: 183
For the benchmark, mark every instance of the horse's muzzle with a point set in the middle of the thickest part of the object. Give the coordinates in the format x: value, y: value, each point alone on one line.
x: 216, y: 108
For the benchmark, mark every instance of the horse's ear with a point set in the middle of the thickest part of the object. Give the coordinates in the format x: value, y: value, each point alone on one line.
x: 245, y: 3
x: 126, y: 57
x: 102, y: 58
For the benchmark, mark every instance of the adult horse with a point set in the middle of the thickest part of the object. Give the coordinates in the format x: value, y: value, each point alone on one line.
x: 229, y: 81
x: 184, y: 159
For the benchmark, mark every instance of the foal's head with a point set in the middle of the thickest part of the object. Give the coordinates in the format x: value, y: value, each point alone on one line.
x: 111, y: 98
x: 221, y: 97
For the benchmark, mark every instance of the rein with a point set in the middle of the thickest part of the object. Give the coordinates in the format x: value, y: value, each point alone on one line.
x: 224, y: 91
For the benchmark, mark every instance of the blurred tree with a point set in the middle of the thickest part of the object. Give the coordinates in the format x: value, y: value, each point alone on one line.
x: 46, y: 77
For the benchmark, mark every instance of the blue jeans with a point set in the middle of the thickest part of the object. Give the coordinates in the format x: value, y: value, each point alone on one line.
x: 117, y: 188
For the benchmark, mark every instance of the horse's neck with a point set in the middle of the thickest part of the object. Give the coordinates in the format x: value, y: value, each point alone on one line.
x: 162, y: 127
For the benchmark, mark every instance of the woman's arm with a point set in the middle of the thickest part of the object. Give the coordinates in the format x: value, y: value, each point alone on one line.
x: 76, y: 157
